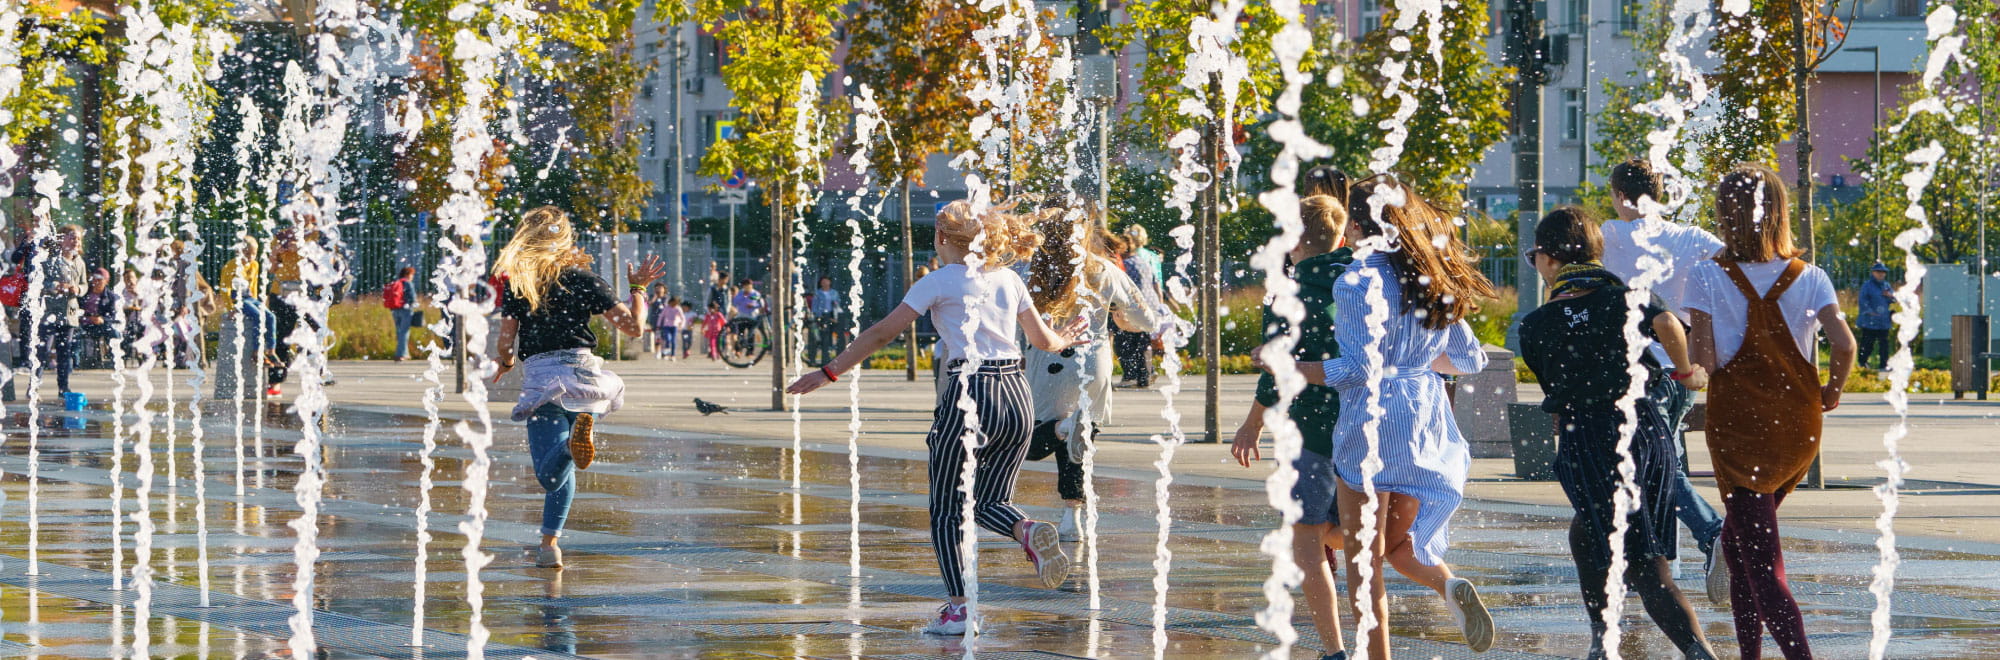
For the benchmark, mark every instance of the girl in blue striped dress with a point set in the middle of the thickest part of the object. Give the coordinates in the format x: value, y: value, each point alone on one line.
x: 1400, y: 323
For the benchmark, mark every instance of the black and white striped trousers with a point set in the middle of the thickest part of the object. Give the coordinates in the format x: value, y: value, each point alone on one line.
x: 1000, y: 397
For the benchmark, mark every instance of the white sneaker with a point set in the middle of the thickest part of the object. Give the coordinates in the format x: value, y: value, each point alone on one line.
x: 1473, y: 619
x: 950, y: 620
x: 548, y: 557
x: 1044, y: 547
x: 1070, y: 528
x: 1717, y: 583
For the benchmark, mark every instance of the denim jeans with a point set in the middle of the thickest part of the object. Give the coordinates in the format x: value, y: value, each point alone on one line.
x: 548, y: 445
x: 1701, y: 519
x: 404, y: 317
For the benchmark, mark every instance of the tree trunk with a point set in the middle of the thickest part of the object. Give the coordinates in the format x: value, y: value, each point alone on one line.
x: 909, y: 274
x: 1802, y: 133
x: 778, y: 295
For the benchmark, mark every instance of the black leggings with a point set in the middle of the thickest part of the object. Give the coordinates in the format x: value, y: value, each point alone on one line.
x: 1649, y: 577
x: 1069, y: 473
x: 1874, y: 348
x: 1134, y: 350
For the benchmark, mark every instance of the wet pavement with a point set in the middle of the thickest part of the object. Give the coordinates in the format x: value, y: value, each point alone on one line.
x: 698, y: 544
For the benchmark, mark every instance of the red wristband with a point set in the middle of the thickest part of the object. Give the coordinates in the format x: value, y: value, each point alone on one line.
x: 829, y: 375
x: 1677, y: 375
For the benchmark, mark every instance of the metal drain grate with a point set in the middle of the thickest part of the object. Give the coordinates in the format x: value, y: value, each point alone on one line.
x: 782, y: 629
x: 11, y: 649
x: 274, y: 558
x: 603, y: 601
x: 334, y: 630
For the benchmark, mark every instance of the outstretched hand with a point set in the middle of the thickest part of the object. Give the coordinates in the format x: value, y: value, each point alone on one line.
x: 1072, y: 332
x: 646, y: 271
x: 807, y: 382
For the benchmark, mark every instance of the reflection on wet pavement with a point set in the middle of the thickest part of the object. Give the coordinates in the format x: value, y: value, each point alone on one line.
x: 698, y: 546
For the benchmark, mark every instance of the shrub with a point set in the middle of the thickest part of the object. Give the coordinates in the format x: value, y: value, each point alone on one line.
x: 364, y: 330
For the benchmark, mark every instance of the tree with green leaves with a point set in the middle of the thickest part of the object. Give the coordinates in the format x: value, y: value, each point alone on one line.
x: 1462, y: 114
x: 1863, y: 231
x: 601, y: 82
x: 917, y: 57
x: 1161, y: 28
x: 47, y: 40
x: 778, y: 50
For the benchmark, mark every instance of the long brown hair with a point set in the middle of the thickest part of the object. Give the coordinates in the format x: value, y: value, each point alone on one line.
x: 1053, y: 272
x: 1440, y: 277
x: 1753, y: 215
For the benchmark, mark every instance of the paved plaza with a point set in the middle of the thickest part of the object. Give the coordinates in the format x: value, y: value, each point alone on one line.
x: 694, y: 537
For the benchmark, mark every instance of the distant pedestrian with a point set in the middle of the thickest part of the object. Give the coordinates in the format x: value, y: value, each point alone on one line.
x: 748, y: 301
x: 546, y: 306
x: 1135, y: 349
x: 53, y: 335
x: 1676, y: 250
x: 824, y: 312
x: 1756, y: 309
x: 985, y: 368
x: 97, y: 309
x: 711, y: 330
x: 667, y: 328
x: 1576, y: 346
x: 400, y: 296
x: 1874, y: 320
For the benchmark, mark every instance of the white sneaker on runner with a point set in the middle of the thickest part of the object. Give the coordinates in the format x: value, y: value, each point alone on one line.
x: 1044, y: 547
x: 950, y: 620
x: 1717, y: 582
x: 1473, y: 619
x: 1070, y: 529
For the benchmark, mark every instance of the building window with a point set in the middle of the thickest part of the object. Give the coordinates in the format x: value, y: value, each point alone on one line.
x: 652, y: 138
x: 1579, y: 15
x: 1908, y: 8
x: 1572, y: 114
x: 1628, y: 15
x: 646, y: 88
x: 1371, y: 15
x: 708, y: 56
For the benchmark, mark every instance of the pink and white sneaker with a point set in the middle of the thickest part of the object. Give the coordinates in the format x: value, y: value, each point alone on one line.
x: 950, y: 620
x: 1043, y: 543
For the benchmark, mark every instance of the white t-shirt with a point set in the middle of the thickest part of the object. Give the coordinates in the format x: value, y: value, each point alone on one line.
x: 943, y: 294
x: 1710, y: 290
x: 1681, y: 247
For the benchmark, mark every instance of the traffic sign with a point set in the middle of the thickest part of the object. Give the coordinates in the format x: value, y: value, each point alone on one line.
x: 736, y: 179
x: 735, y: 196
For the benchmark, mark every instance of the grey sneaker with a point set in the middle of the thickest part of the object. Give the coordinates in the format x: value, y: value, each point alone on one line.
x: 1473, y: 619
x: 548, y: 557
x: 1717, y: 584
x: 1044, y: 548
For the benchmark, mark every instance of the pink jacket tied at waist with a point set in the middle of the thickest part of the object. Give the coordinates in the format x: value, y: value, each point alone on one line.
x: 573, y: 379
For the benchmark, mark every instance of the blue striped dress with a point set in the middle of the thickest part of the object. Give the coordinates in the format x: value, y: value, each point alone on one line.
x: 1423, y: 454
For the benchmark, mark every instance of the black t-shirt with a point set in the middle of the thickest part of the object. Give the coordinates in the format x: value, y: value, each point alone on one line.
x: 563, y: 321
x: 1576, y: 347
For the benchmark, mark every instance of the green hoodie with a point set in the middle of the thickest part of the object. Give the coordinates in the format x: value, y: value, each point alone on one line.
x: 1316, y: 407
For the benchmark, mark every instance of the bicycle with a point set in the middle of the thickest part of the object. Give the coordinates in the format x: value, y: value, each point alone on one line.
x: 744, y: 342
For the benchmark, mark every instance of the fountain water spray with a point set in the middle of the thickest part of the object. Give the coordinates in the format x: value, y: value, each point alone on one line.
x: 1289, y: 45
x: 250, y: 135
x: 462, y: 216
x: 867, y: 121
x: 159, y: 80
x: 805, y: 165
x: 1209, y: 65
x: 1945, y: 41
x: 48, y: 188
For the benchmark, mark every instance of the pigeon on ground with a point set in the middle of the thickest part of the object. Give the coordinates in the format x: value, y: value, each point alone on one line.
x: 707, y: 408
